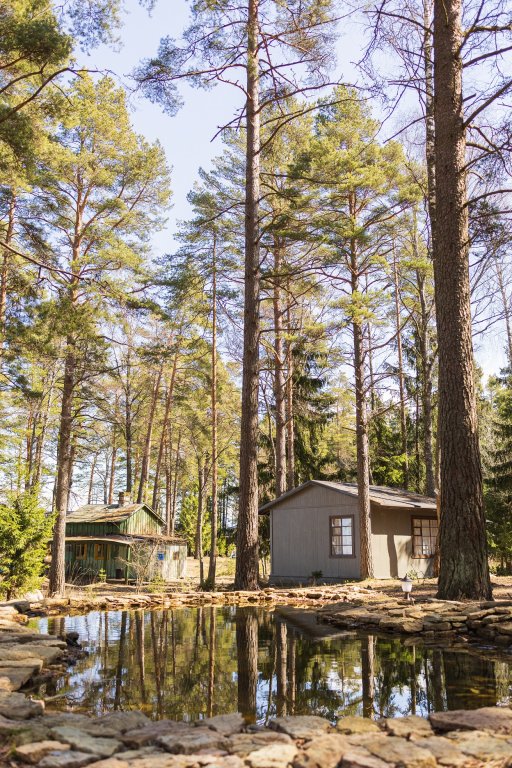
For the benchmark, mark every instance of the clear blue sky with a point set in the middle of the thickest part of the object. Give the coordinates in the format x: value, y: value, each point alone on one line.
x: 187, y: 137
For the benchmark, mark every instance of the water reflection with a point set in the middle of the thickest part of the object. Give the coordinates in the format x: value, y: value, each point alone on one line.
x: 191, y: 663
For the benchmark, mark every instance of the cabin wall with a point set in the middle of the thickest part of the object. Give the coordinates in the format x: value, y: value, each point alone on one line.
x: 108, y: 557
x: 140, y: 522
x: 392, y: 543
x: 300, y: 536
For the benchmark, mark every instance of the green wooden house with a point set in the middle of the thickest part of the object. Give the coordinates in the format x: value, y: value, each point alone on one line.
x: 118, y: 540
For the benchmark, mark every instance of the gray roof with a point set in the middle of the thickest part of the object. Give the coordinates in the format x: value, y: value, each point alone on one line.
x: 380, y: 496
x: 110, y: 513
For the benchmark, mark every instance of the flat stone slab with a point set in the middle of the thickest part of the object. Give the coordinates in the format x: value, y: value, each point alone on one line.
x: 408, y: 726
x: 192, y: 740
x: 66, y: 759
x: 324, y: 752
x: 152, y: 732
x: 33, y: 753
x: 400, y: 752
x: 27, y: 661
x: 243, y: 744
x: 273, y: 756
x: 354, y: 724
x: 16, y: 706
x: 227, y: 725
x: 444, y: 750
x: 13, y: 678
x: 482, y: 745
x: 83, y: 742
x: 496, y: 719
x: 300, y: 726
x: 124, y: 721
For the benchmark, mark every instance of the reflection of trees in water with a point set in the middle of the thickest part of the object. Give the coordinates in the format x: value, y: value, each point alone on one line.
x: 191, y: 663
x: 247, y: 652
x: 470, y: 681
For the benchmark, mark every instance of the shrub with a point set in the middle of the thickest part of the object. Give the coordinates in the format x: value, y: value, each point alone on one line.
x: 25, y: 531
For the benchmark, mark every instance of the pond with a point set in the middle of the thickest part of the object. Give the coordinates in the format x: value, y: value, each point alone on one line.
x: 190, y: 663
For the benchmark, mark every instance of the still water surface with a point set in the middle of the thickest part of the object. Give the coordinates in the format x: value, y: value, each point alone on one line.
x: 196, y: 662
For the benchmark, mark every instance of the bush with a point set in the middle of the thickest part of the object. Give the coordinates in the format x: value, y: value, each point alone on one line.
x: 25, y: 531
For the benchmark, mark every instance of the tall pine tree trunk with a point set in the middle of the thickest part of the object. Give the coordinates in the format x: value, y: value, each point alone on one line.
x: 290, y: 422
x: 362, y: 440
x: 144, y: 470
x: 167, y: 413
x: 401, y: 377
x: 212, y: 567
x: 464, y: 569
x: 64, y: 468
x: 279, y: 376
x: 246, y: 576
x: 4, y: 271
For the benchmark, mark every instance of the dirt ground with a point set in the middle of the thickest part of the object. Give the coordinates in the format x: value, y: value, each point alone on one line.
x: 502, y: 585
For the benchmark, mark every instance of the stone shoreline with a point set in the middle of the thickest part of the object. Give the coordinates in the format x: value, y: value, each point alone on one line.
x: 431, y: 620
x: 129, y: 739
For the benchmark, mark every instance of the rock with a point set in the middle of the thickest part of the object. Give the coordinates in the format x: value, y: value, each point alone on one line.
x: 165, y: 761
x: 16, y: 706
x: 444, y: 750
x: 124, y: 721
x: 273, y: 756
x: 83, y: 742
x: 48, y: 653
x: 192, y: 740
x: 505, y: 628
x: 404, y: 753
x: 496, y: 719
x: 353, y: 724
x: 324, y: 752
x: 300, y: 726
x: 13, y: 678
x: 150, y: 733
x: 27, y: 661
x: 482, y: 745
x: 408, y: 726
x: 112, y: 762
x: 66, y: 759
x: 33, y: 753
x: 227, y: 725
x: 409, y: 626
x: 357, y: 757
x: 243, y: 744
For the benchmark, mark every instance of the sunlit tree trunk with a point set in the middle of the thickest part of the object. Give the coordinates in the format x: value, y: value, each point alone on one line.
x: 279, y: 376
x: 144, y: 470
x: 246, y: 576
x: 464, y: 569
x: 212, y: 567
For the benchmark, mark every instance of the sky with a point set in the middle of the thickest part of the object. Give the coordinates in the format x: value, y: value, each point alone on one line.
x: 187, y: 137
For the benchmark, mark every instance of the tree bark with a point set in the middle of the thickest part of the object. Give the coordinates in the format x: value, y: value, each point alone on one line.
x: 4, y: 272
x: 290, y: 424
x: 362, y: 442
x: 279, y: 377
x: 167, y: 413
x: 91, y: 478
x: 64, y: 466
x: 212, y: 567
x: 464, y: 569
x: 246, y: 576
x: 401, y: 377
x: 144, y: 470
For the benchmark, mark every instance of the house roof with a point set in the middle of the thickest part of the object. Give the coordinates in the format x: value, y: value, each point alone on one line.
x: 380, y: 496
x: 109, y: 513
x: 128, y: 540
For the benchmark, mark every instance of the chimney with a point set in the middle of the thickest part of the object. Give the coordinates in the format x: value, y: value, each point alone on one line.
x: 124, y: 498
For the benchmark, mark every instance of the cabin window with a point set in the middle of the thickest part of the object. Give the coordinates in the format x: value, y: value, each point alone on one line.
x: 342, y: 536
x: 81, y: 551
x: 99, y: 551
x: 424, y: 536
